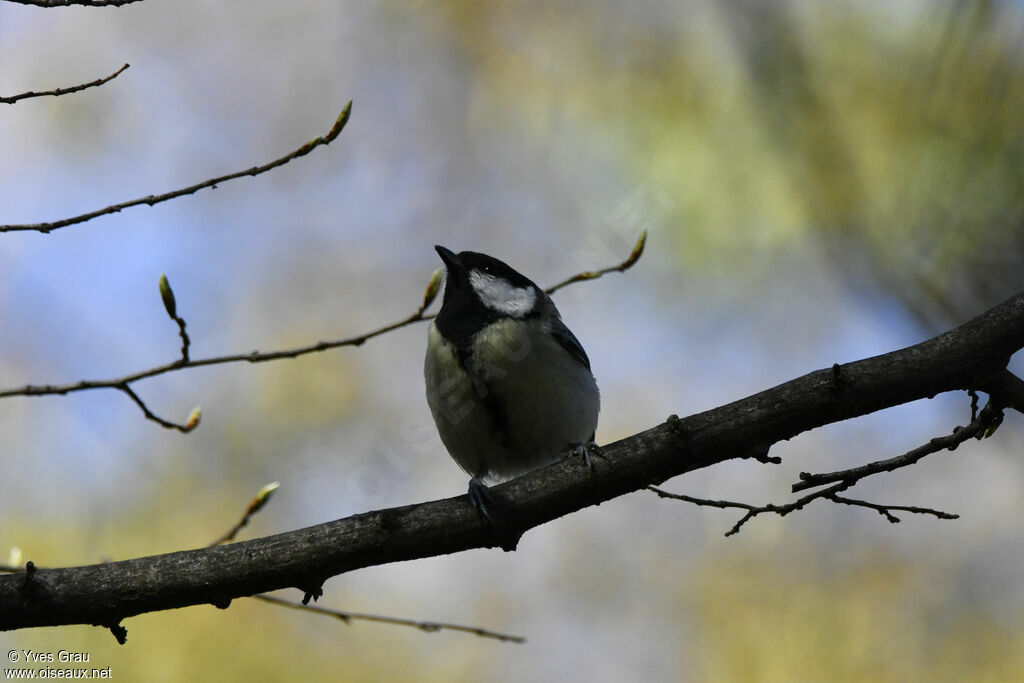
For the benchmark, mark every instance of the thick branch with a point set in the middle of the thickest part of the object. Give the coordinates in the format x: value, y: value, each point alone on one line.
x: 305, y: 149
x: 1008, y: 388
x: 62, y: 91
x: 68, y: 3
x: 104, y: 594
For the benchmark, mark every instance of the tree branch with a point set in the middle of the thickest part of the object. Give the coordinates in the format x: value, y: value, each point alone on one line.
x: 68, y: 3
x: 251, y: 357
x: 886, y: 510
x: 630, y: 261
x: 831, y: 493
x: 752, y: 510
x: 189, y: 425
x: 428, y: 626
x: 1007, y: 387
x: 261, y: 498
x: 968, y: 357
x: 255, y: 505
x: 982, y: 425
x: 62, y: 91
x: 989, y: 418
x: 339, y: 124
x: 167, y: 294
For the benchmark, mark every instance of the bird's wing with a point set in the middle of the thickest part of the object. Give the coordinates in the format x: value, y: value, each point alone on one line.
x: 568, y: 341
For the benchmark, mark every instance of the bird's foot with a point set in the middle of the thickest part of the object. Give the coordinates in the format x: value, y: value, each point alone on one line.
x: 495, y: 513
x: 586, y: 452
x: 483, y: 500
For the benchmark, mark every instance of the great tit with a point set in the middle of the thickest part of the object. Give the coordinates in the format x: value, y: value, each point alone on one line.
x: 508, y: 384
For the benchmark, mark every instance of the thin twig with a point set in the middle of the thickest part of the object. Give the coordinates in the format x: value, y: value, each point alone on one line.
x: 251, y: 357
x: 704, y: 502
x: 753, y: 510
x: 62, y: 91
x: 428, y: 626
x: 150, y: 415
x: 305, y: 149
x: 886, y: 510
x: 123, y: 383
x: 171, y: 306
x: 983, y: 423
x: 258, y: 501
x: 633, y: 257
x: 989, y: 415
x: 185, y: 341
x: 831, y: 493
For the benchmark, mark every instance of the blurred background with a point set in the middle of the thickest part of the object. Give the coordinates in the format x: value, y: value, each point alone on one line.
x: 821, y: 182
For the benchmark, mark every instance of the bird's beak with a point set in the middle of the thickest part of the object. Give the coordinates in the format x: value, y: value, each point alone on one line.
x: 450, y: 258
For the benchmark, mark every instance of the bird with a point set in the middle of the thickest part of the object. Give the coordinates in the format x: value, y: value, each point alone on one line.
x: 508, y: 384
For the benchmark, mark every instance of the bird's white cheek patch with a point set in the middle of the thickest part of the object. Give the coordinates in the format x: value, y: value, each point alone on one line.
x: 499, y: 295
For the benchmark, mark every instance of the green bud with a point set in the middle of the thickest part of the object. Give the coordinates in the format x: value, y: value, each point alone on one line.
x: 168, y: 296
x: 262, y: 497
x: 339, y: 124
x: 634, y: 256
x: 433, y: 287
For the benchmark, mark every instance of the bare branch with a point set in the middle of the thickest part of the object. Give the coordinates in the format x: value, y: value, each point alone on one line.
x: 989, y: 416
x: 1006, y: 389
x: 886, y: 510
x: 633, y: 257
x: 428, y: 626
x: 703, y: 502
x: 62, y: 91
x: 120, y: 383
x: 752, y: 510
x: 255, y: 505
x: 189, y: 425
x: 831, y: 493
x: 981, y: 424
x: 305, y: 149
x: 171, y: 306
x: 185, y: 341
x: 105, y: 594
x: 261, y: 498
x: 251, y: 357
x: 68, y: 3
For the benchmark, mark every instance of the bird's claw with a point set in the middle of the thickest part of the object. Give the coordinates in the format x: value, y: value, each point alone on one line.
x: 496, y: 513
x: 587, y: 452
x: 483, y: 500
